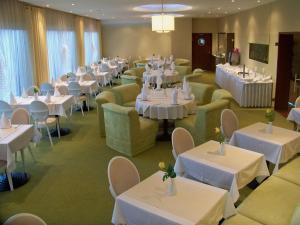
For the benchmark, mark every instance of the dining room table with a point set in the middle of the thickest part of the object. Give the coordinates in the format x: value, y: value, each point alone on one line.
x: 278, y: 145
x: 194, y: 203
x: 231, y: 170
x: 12, y: 140
x: 168, y: 76
x: 294, y: 116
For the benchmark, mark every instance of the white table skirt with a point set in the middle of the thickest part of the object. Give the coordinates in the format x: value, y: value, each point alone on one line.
x: 14, y: 139
x: 87, y: 87
x: 57, y: 107
x: 168, y: 77
x: 194, y: 203
x: 294, y: 115
x: 247, y: 94
x: 158, y: 106
x: 232, y: 171
x: 103, y: 78
x: 278, y: 147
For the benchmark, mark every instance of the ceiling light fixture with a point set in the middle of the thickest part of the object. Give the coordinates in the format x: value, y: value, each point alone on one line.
x: 73, y: 4
x: 163, y: 23
x: 47, y: 5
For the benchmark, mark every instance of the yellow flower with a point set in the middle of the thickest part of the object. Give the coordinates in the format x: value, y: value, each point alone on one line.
x: 269, y: 110
x: 217, y: 130
x: 161, y: 165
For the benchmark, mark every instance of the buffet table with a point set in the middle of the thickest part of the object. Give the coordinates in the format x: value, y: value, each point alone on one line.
x: 253, y: 90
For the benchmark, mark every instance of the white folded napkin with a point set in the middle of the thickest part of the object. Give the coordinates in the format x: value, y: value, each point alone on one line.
x: 173, y: 66
x: 48, y: 97
x: 56, y: 92
x: 158, y: 82
x: 24, y: 93
x: 53, y: 82
x: 174, y: 96
x: 4, y: 122
x: 144, y: 93
x: 186, y: 89
x: 13, y: 100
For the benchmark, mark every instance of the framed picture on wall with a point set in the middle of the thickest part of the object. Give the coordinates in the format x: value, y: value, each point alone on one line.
x: 259, y: 52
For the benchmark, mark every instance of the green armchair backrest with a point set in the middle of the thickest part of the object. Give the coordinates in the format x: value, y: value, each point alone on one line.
x: 183, y: 70
x: 138, y: 72
x: 139, y: 63
x: 126, y: 93
x: 126, y: 79
x: 102, y: 98
x: 202, y: 92
x: 182, y: 62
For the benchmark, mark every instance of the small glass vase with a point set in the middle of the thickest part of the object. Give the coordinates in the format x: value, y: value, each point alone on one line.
x: 36, y: 96
x: 269, y: 128
x: 171, y: 187
x: 222, y: 148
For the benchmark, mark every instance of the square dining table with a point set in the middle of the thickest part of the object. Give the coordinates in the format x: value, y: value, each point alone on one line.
x: 278, y: 146
x: 193, y: 204
x: 231, y: 171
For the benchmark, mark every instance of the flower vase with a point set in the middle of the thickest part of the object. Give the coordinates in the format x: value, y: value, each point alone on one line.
x: 222, y: 148
x: 171, y: 187
x: 269, y: 128
x: 36, y: 96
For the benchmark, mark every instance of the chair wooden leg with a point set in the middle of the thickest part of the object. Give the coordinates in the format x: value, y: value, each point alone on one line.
x: 50, y: 138
x: 23, y: 160
x: 71, y: 111
x: 10, y: 182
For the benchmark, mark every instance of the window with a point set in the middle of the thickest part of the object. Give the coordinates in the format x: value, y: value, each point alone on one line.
x: 61, y: 52
x: 15, y: 62
x: 91, y: 46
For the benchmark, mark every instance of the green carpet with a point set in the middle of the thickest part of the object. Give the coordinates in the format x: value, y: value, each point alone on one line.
x: 69, y: 183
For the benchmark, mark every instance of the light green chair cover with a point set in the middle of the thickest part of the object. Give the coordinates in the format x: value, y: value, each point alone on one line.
x: 296, y: 216
x: 126, y: 132
x: 182, y: 62
x: 138, y: 72
x: 202, y: 92
x: 139, y: 63
x: 102, y: 98
x: 126, y: 94
x: 183, y: 70
x: 202, y: 125
x: 219, y: 94
x: 126, y: 79
x: 239, y: 219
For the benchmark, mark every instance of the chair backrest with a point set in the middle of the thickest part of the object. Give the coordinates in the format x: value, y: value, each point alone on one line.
x: 74, y: 89
x: 64, y: 77
x: 46, y: 87
x: 297, y: 102
x: 24, y: 219
x: 229, y: 123
x: 63, y: 90
x: 126, y: 93
x: 182, y: 141
x: 39, y: 111
x: 30, y: 91
x: 5, y: 108
x: 20, y: 116
x: 122, y: 175
x: 202, y: 92
x: 104, y: 67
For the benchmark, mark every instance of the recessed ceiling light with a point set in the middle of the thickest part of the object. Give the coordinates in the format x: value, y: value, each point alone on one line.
x: 71, y: 11
x: 167, y: 8
x: 239, y: 8
x: 258, y: 1
x: 47, y: 5
x: 219, y: 8
x: 232, y: 0
x: 226, y: 12
x: 73, y: 4
x: 209, y: 12
x: 90, y: 10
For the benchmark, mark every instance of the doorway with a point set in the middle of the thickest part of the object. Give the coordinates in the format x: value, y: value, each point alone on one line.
x: 202, y: 51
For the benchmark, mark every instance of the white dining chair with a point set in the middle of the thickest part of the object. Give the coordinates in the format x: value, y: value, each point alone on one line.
x: 64, y: 78
x: 63, y: 90
x: 24, y: 219
x: 40, y: 114
x: 297, y: 102
x: 45, y: 88
x: 21, y: 116
x: 182, y: 141
x: 229, y: 123
x: 75, y: 90
x: 6, y: 109
x: 3, y: 164
x: 122, y: 175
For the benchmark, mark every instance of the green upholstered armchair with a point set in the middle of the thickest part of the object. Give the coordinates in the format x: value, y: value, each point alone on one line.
x: 222, y: 94
x: 202, y: 124
x: 182, y: 62
x: 202, y: 92
x: 139, y: 63
x: 126, y: 94
x: 183, y: 70
x: 126, y: 79
x: 126, y: 132
x: 138, y: 72
x: 195, y: 76
x: 102, y: 98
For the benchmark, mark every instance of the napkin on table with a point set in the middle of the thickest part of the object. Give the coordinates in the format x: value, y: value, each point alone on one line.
x: 56, y: 93
x: 13, y: 100
x: 4, y: 122
x: 48, y: 97
x: 24, y: 93
x: 174, y: 96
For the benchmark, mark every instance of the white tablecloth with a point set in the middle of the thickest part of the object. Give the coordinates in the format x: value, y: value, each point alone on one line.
x: 247, y: 93
x: 103, y: 78
x: 158, y: 105
x: 168, y: 76
x: 232, y: 171
x: 278, y: 146
x: 194, y: 203
x: 14, y: 139
x: 294, y: 115
x: 57, y: 107
x: 87, y: 87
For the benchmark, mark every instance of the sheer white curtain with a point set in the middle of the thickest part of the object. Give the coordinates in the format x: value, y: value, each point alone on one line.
x: 15, y: 52
x: 61, y: 43
x: 91, y: 46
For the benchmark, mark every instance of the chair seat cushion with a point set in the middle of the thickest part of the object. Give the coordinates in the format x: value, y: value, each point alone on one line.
x: 188, y: 123
x: 291, y: 171
x: 239, y: 219
x: 272, y: 203
x: 130, y: 104
x: 50, y: 120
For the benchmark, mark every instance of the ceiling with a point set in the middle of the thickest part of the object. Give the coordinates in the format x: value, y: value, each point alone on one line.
x: 121, y: 11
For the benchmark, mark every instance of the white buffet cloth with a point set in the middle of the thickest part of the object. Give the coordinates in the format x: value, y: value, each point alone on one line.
x: 294, y: 115
x: 14, y: 139
x: 278, y: 146
x: 103, y: 78
x: 193, y: 204
x: 249, y: 92
x: 169, y: 76
x: 57, y: 107
x: 86, y: 87
x: 159, y: 106
x: 232, y: 171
